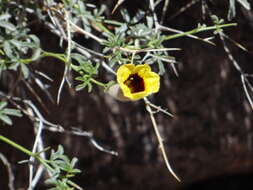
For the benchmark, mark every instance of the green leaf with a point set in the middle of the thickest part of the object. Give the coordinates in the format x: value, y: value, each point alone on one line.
x: 14, y: 112
x: 16, y: 43
x: 25, y: 70
x: 2, y: 104
x: 80, y: 86
x: 161, y: 68
x: 35, y: 39
x: 89, y: 85
x: 7, y: 49
x: 5, y: 16
x: 6, y: 119
x: 74, y: 161
x: 14, y: 66
x: 79, y: 58
x: 7, y: 25
x: 36, y: 54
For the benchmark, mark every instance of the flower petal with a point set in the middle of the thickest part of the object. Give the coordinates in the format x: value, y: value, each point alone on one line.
x: 124, y: 71
x: 152, y: 82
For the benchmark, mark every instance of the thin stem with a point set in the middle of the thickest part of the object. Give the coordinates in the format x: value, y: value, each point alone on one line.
x: 164, y: 28
x: 99, y: 40
x: 17, y: 146
x: 133, y: 50
x: 74, y: 185
x: 67, y: 64
x: 55, y: 55
x: 9, y: 170
x: 197, y: 30
x: 26, y: 151
x: 160, y: 140
x: 117, y: 5
x: 97, y: 82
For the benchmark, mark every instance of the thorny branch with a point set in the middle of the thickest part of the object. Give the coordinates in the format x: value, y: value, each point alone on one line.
x: 159, y: 138
x: 244, y: 76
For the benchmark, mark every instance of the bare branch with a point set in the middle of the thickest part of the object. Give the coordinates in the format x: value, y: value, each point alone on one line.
x: 160, y: 140
x: 9, y: 170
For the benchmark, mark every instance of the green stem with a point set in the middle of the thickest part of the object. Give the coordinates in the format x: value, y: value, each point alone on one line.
x: 74, y: 185
x: 98, y: 83
x: 55, y: 55
x: 17, y: 146
x: 26, y: 151
x: 197, y: 30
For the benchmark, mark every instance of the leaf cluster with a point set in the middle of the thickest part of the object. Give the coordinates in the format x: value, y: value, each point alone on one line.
x: 17, y: 46
x: 6, y: 112
x: 62, y: 169
x: 86, y: 71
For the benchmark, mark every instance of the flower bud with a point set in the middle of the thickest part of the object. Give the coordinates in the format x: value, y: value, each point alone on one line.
x: 116, y: 92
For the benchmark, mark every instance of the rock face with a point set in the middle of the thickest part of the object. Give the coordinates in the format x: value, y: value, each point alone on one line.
x: 209, y: 140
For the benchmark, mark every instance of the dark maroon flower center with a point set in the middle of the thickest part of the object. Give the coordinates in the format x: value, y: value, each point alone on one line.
x: 135, y: 83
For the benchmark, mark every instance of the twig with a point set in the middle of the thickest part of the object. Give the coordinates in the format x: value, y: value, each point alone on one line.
x: 158, y: 108
x: 9, y: 170
x: 77, y: 28
x: 152, y: 7
x: 117, y: 5
x: 40, y: 168
x: 164, y: 28
x: 244, y: 75
x: 78, y: 132
x: 246, y: 90
x: 165, y: 7
x: 83, y: 50
x: 67, y: 64
x: 160, y: 140
x: 146, y: 50
x: 184, y: 8
x: 37, y: 139
x: 38, y: 98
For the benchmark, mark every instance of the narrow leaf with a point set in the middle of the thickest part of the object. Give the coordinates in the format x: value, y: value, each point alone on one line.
x: 5, y: 16
x: 7, y: 25
x: 25, y: 70
x: 14, y: 112
x: 6, y: 119
x: 2, y: 104
x: 7, y: 49
x: 36, y: 54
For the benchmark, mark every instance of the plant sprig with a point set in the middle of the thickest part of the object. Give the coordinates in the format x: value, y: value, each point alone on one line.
x: 58, y: 166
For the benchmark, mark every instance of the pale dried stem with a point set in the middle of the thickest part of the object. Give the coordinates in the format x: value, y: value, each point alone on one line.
x: 184, y: 8
x: 67, y: 64
x: 117, y: 5
x: 160, y: 140
x: 9, y: 170
x: 146, y: 50
x: 164, y: 28
x: 245, y: 81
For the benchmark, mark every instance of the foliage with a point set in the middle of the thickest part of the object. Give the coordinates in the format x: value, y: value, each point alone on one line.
x: 6, y: 112
x: 62, y: 170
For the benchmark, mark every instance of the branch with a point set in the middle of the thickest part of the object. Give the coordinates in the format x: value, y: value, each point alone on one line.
x: 9, y: 170
x: 160, y: 140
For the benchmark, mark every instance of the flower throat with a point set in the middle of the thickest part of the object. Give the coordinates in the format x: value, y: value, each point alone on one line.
x: 135, y: 83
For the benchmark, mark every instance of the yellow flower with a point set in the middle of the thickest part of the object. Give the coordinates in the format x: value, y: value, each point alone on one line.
x: 137, y: 81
